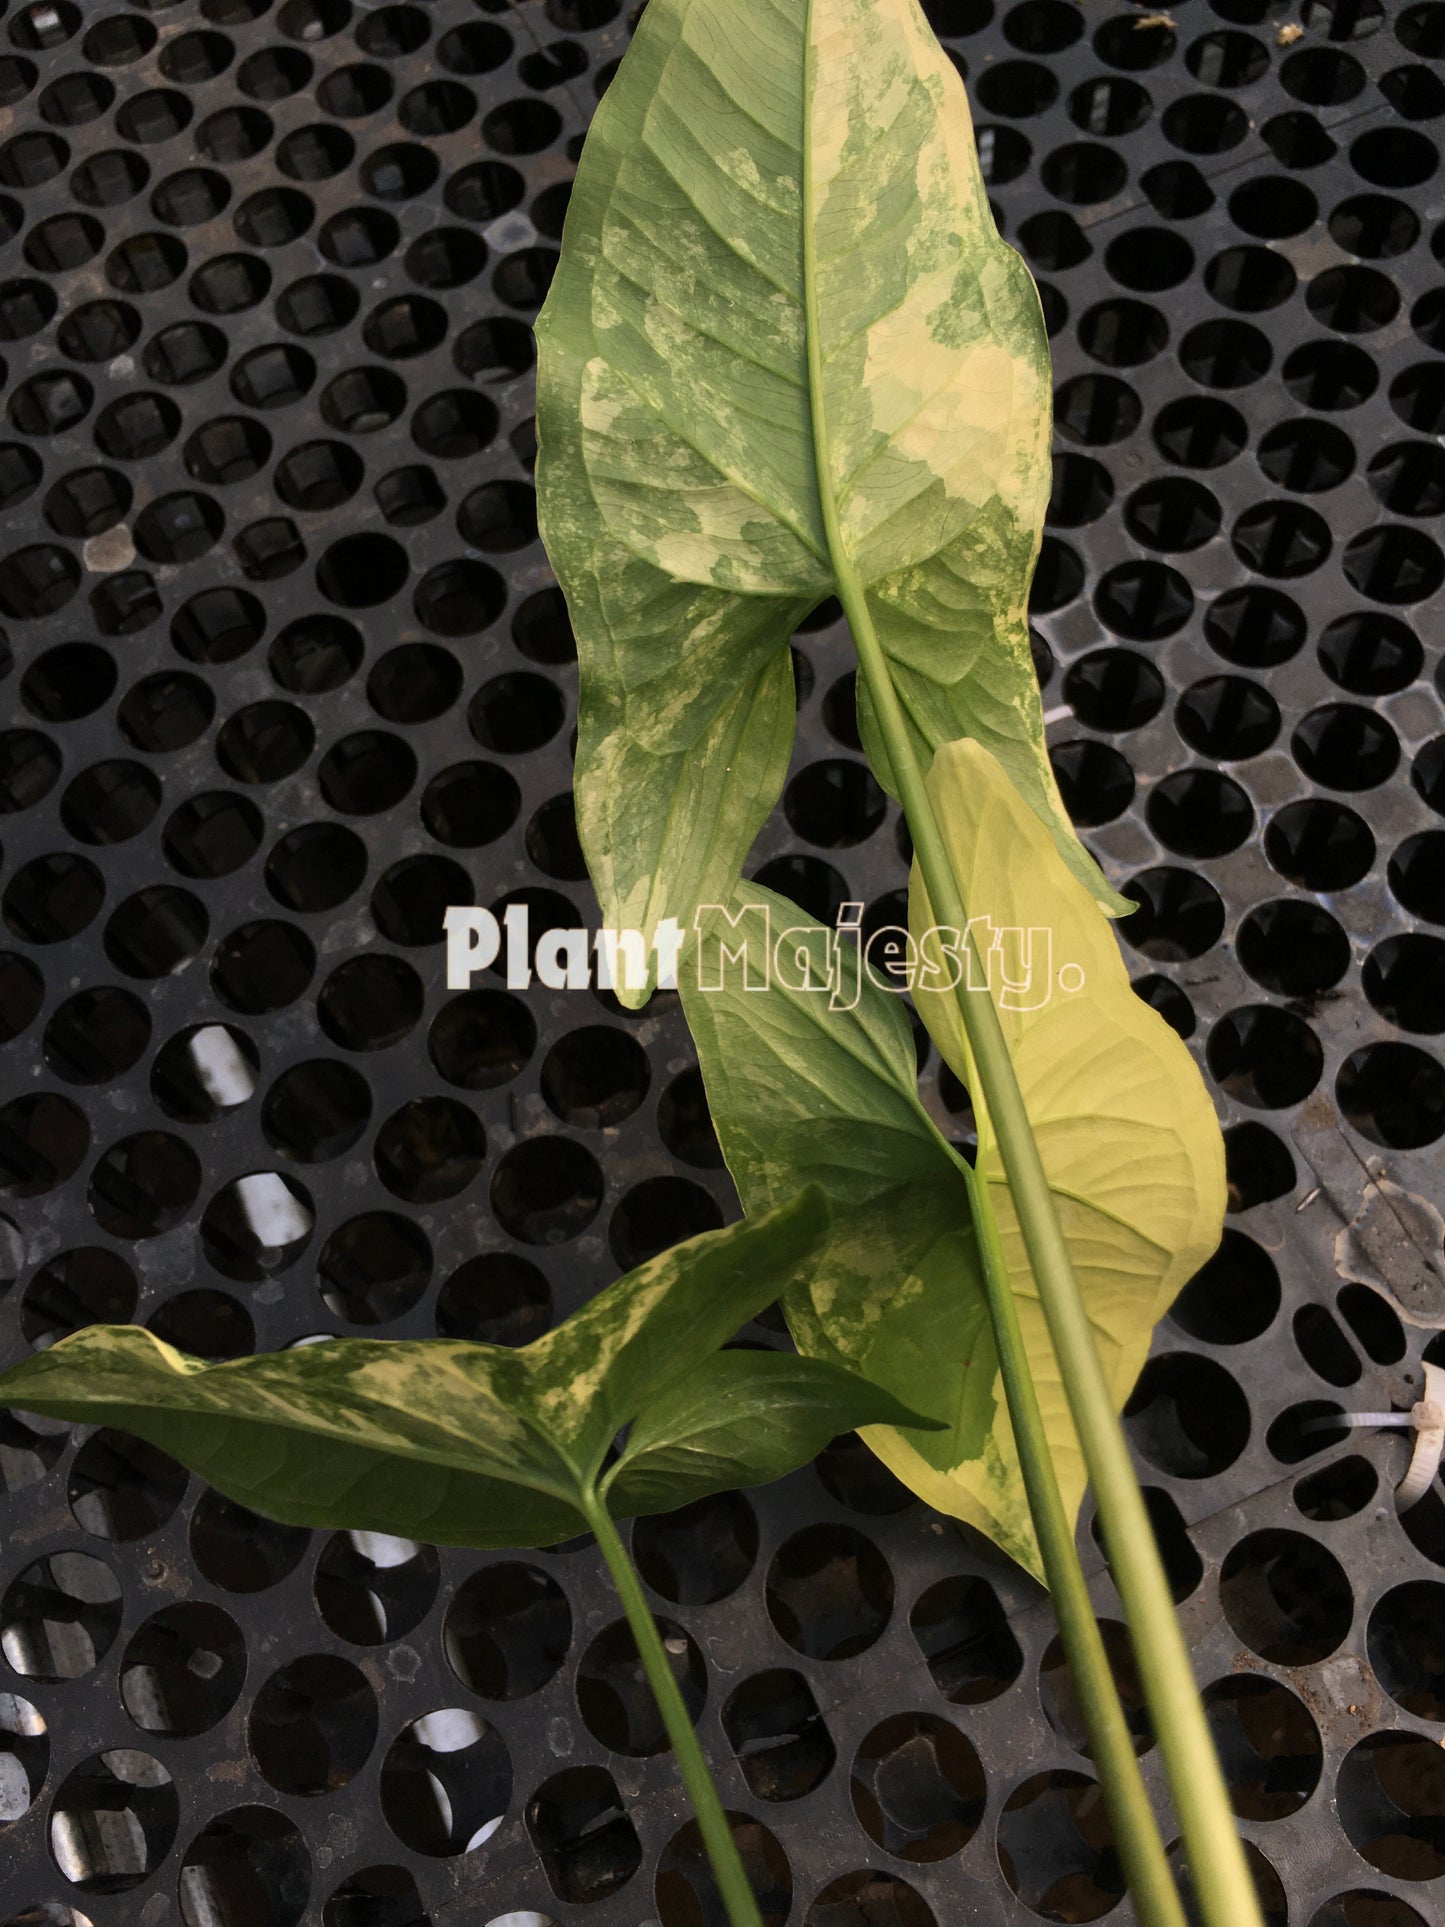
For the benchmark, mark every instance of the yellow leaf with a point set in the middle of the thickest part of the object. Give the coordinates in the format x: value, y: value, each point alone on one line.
x: 1124, y: 1125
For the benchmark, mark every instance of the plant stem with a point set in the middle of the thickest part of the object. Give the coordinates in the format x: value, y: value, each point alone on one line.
x: 717, y: 1838
x: 1156, y: 1898
x: 1135, y: 1827
x: 1216, y: 1855
x: 1218, y: 1870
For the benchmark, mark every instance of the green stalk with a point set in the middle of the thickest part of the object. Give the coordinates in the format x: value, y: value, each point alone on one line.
x: 1217, y: 1866
x: 1216, y: 1855
x: 1156, y: 1898
x: 717, y: 1836
x: 1169, y: 1680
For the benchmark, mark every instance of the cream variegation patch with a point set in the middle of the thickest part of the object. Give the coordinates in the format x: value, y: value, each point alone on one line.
x: 660, y: 497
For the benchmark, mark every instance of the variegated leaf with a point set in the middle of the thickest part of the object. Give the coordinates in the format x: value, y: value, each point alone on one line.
x: 434, y: 1439
x: 802, y: 1092
x: 421, y: 1438
x: 784, y: 345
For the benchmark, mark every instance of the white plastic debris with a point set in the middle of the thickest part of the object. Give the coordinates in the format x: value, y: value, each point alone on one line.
x: 1426, y: 1418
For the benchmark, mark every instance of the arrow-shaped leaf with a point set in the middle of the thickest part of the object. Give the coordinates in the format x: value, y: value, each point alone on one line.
x: 438, y: 1439
x: 802, y: 1091
x: 785, y: 348
x: 616, y: 1356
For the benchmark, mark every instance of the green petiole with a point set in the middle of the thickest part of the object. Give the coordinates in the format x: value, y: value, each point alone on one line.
x: 1141, y: 1848
x: 1140, y: 1843
x: 717, y: 1838
x: 1216, y: 1855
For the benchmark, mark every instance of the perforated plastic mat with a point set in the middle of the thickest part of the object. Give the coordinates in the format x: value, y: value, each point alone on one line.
x: 286, y: 674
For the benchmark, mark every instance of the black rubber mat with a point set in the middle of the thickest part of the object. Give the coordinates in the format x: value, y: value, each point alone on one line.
x: 286, y: 674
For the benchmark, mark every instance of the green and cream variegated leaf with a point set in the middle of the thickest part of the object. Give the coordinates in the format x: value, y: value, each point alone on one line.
x: 1124, y: 1125
x: 435, y: 1439
x: 784, y: 341
x: 803, y: 1093
x: 420, y: 1438
x: 613, y: 1358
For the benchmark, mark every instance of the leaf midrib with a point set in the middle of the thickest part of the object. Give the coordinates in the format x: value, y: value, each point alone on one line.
x: 812, y: 335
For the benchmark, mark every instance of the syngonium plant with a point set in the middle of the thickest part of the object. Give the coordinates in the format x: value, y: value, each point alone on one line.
x: 786, y: 356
